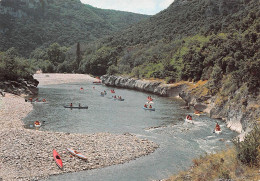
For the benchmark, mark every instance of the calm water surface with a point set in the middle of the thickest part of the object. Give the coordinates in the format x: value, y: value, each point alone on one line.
x: 178, y: 142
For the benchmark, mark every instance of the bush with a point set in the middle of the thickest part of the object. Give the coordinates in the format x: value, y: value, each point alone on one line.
x: 248, y: 150
x: 112, y: 70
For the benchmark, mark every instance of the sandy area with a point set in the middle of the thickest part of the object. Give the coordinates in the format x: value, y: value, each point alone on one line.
x: 55, y: 78
x: 27, y: 154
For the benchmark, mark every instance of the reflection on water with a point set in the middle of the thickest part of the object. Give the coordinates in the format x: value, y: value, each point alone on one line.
x: 179, y: 142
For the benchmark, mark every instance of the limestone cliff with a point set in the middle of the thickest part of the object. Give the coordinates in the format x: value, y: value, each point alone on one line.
x: 239, y: 114
x: 155, y: 87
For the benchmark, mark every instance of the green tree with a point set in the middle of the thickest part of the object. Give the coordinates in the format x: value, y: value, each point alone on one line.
x: 78, y: 55
x: 56, y: 54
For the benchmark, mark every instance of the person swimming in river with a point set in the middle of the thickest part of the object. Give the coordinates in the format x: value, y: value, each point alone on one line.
x: 150, y: 107
x: 145, y: 106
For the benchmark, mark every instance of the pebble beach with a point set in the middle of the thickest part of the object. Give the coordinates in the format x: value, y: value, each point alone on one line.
x: 26, y: 154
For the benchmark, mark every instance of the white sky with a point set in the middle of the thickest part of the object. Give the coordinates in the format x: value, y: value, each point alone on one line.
x: 149, y: 7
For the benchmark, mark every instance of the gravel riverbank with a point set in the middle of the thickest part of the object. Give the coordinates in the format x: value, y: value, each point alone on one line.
x: 27, y: 154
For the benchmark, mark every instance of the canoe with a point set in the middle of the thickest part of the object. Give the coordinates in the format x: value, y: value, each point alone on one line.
x: 116, y: 99
x: 57, y: 159
x: 217, y: 132
x: 189, y: 121
x: 150, y: 109
x: 76, y: 107
x: 38, y: 102
x: 149, y: 102
x: 37, y: 124
x: 76, y: 153
x: 97, y: 82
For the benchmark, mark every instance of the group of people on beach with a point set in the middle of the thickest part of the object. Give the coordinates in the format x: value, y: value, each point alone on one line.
x: 36, y: 100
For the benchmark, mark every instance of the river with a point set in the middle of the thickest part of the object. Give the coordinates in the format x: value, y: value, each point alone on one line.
x: 179, y: 142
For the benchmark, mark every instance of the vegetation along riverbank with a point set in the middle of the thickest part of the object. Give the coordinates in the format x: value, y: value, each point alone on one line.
x: 204, y: 51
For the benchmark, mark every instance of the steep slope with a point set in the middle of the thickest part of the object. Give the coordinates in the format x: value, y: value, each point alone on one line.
x: 154, y: 40
x: 213, y: 43
x: 28, y: 24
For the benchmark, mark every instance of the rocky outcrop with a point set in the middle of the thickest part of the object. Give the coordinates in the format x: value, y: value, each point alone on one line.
x: 239, y: 114
x: 155, y: 87
x: 20, y: 87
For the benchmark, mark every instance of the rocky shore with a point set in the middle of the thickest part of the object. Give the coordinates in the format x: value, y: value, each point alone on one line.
x: 27, y: 154
x: 20, y: 87
x: 155, y: 87
x: 239, y: 115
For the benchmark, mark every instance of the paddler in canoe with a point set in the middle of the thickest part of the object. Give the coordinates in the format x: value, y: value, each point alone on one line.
x: 70, y: 104
x: 145, y: 106
x: 37, y: 123
x: 150, y: 107
x: 149, y: 98
x: 189, y: 117
x: 217, y: 128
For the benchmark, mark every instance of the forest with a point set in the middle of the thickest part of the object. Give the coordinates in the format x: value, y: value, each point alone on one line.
x: 28, y: 25
x: 192, y: 40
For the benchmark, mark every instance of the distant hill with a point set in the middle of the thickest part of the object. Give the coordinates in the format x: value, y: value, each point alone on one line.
x: 29, y: 24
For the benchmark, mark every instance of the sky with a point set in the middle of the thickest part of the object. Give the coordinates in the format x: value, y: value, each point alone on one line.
x: 149, y: 7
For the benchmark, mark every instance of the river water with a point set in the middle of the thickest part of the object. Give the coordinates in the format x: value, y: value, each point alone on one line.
x: 179, y: 142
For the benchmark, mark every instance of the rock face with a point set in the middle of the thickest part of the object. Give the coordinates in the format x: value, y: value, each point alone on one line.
x: 19, y: 87
x: 154, y: 87
x: 238, y: 114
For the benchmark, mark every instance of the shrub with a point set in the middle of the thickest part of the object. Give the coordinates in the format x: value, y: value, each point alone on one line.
x: 248, y: 150
x: 112, y: 70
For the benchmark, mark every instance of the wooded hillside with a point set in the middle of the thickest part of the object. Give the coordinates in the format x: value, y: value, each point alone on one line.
x: 30, y: 24
x: 191, y: 40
